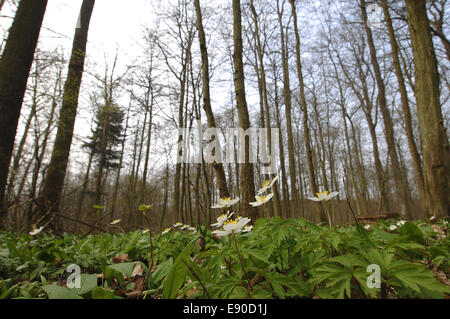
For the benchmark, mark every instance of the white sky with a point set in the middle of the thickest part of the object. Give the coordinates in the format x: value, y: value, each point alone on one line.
x: 113, y: 25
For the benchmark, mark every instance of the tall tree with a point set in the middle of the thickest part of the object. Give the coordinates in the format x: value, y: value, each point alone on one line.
x: 288, y: 106
x: 306, y: 136
x: 15, y: 65
x: 399, y: 180
x: 435, y: 147
x: 276, y: 197
x: 53, y: 183
x: 405, y: 105
x: 218, y: 167
x: 247, y: 180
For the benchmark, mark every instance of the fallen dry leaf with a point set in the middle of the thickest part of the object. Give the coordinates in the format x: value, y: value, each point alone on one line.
x: 120, y: 258
x: 137, y: 271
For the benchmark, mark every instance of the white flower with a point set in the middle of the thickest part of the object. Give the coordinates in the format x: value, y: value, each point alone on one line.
x: 432, y: 218
x: 185, y: 227
x: 145, y: 231
x: 392, y: 227
x: 165, y: 231
x: 323, y: 196
x: 115, y: 221
x: 260, y: 200
x: 222, y: 219
x: 367, y: 227
x: 232, y: 226
x: 247, y: 228
x: 225, y: 202
x: 192, y: 229
x: 177, y: 224
x: 401, y: 223
x: 235, y: 225
x: 36, y: 231
x: 220, y: 233
x: 266, y: 185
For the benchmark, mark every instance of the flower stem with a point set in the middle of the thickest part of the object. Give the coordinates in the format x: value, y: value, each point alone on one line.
x: 240, y: 256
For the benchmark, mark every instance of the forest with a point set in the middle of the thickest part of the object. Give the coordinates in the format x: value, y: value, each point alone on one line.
x: 263, y: 149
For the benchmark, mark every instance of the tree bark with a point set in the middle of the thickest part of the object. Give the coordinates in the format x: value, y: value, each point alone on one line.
x: 276, y: 196
x: 247, y: 181
x: 435, y: 147
x: 405, y: 105
x: 306, y: 133
x: 15, y: 65
x: 400, y: 183
x: 218, y: 167
x: 53, y: 183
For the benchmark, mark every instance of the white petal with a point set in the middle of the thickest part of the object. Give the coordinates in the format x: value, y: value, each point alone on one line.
x: 220, y: 233
x: 314, y: 199
x: 242, y: 222
x: 217, y: 206
x: 268, y: 197
x: 333, y: 194
x: 262, y: 190
x: 255, y: 204
x: 273, y: 181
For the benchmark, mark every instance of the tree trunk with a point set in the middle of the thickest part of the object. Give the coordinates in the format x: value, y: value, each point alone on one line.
x: 400, y: 183
x: 306, y: 133
x: 53, y: 183
x: 247, y: 181
x: 288, y: 105
x: 15, y: 65
x: 218, y: 167
x: 435, y: 147
x: 405, y: 106
x: 276, y: 196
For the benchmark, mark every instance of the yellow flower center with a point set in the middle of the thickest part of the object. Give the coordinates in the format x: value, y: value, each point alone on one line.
x: 266, y: 183
x: 231, y: 221
x: 261, y: 198
x: 324, y: 192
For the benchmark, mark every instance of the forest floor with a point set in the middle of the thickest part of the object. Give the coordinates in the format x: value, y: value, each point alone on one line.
x: 277, y: 258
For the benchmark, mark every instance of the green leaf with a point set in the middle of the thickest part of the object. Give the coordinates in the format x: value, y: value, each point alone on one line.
x: 144, y: 207
x: 102, y: 293
x: 262, y: 293
x: 417, y: 278
x: 412, y: 232
x: 88, y: 283
x: 177, y: 274
x: 161, y: 271
x: 58, y: 292
x: 124, y: 268
x: 239, y: 292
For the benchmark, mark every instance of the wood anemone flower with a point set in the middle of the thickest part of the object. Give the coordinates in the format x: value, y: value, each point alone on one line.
x: 36, y: 231
x: 115, y: 221
x: 323, y: 196
x: 232, y: 226
x: 266, y: 185
x: 177, y: 224
x: 247, y: 228
x: 165, y: 231
x: 225, y: 202
x: 260, y: 200
x: 235, y: 225
x: 222, y: 219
